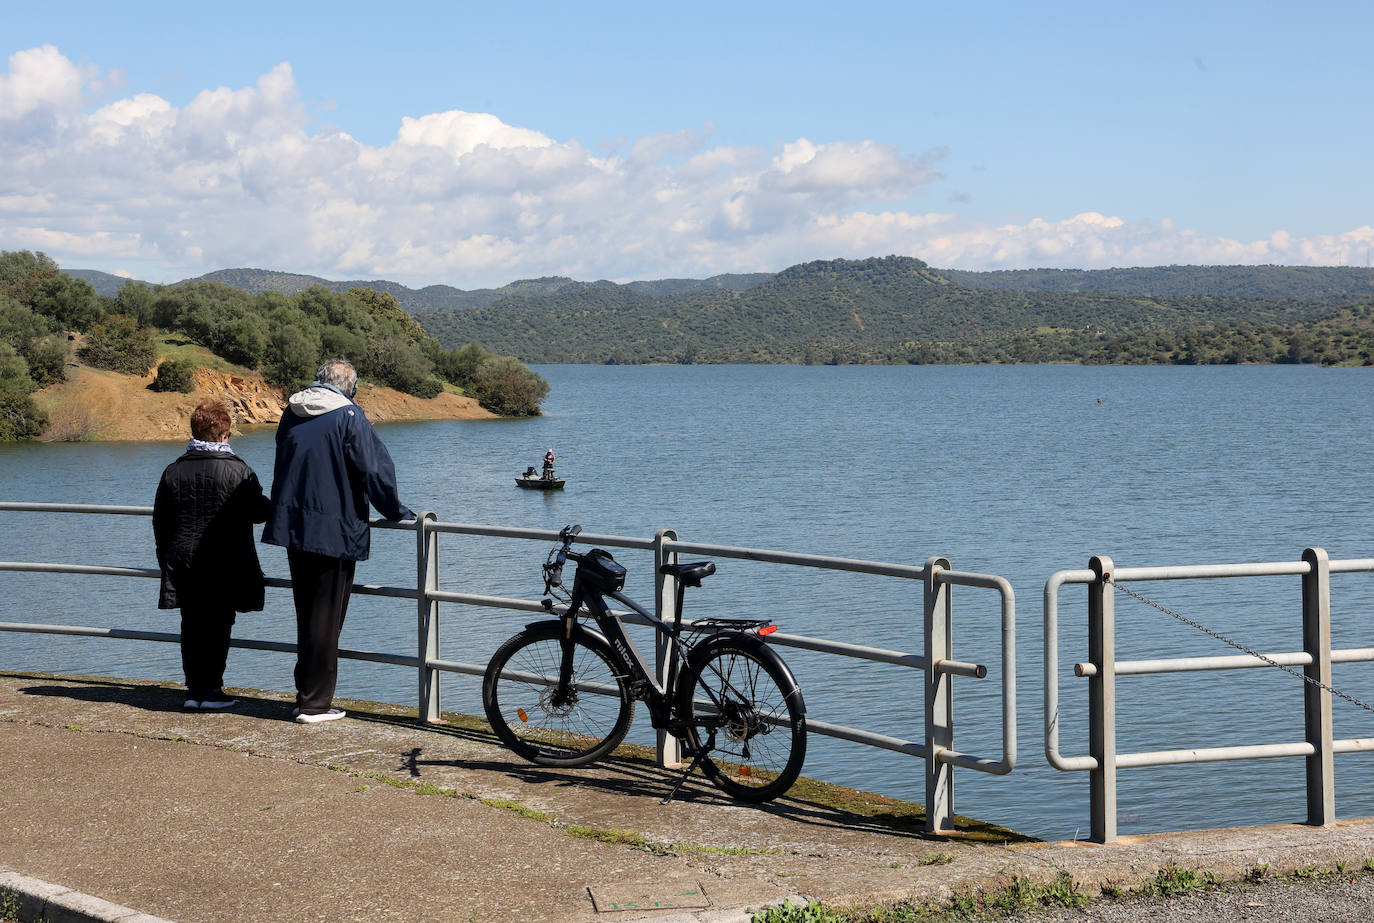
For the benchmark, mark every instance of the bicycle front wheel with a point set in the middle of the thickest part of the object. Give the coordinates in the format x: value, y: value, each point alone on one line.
x: 745, y: 717
x: 543, y: 725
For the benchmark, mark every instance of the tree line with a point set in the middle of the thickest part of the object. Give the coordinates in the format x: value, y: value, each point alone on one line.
x: 286, y: 337
x: 898, y: 310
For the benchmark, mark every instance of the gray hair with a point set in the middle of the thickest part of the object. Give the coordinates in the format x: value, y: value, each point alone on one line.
x: 339, y: 373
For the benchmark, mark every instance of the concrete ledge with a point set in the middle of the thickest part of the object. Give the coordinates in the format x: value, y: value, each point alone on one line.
x: 31, y: 900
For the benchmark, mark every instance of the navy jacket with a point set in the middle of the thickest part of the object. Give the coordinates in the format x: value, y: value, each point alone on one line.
x: 329, y: 465
x: 203, y: 519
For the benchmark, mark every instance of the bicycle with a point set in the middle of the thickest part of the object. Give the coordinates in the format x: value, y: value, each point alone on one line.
x: 561, y: 693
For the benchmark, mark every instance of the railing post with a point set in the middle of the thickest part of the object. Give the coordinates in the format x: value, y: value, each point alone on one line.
x: 1316, y: 641
x: 427, y: 608
x: 939, y: 702
x: 665, y: 607
x: 1102, y: 700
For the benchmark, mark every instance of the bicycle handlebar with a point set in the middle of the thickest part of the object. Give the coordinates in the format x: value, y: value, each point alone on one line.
x: 553, y: 570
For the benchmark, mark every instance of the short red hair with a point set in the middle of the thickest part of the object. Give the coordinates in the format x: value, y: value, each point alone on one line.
x: 210, y: 422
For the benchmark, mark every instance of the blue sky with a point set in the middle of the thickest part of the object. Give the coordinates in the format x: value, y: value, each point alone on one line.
x: 473, y: 145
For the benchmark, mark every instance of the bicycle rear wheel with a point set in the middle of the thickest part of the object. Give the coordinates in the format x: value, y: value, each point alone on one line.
x: 521, y: 698
x: 744, y: 709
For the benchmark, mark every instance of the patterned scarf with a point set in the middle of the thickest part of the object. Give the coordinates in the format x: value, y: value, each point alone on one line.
x: 195, y: 445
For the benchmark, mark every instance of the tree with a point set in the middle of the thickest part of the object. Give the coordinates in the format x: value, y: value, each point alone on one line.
x: 136, y: 300
x: 292, y: 357
x: 20, y: 418
x: 120, y: 345
x: 72, y: 303
x: 14, y: 371
x: 506, y: 386
x: 22, y: 272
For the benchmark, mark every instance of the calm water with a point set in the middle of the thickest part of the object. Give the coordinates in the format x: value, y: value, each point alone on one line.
x: 1018, y: 471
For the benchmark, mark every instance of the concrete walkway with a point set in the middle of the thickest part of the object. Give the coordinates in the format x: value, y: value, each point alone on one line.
x: 115, y: 795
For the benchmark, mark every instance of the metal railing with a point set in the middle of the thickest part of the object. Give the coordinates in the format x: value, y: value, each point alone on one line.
x: 936, y: 664
x: 1102, y: 668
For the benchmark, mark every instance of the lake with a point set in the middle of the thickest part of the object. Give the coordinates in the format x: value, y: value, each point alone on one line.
x: 1018, y: 471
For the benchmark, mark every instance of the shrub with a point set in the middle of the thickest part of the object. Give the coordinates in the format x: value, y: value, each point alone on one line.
x: 20, y: 418
x: 176, y: 375
x: 120, y: 345
x: 506, y: 386
x: 48, y: 360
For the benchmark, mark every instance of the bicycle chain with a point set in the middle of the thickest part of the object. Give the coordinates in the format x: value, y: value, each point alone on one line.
x: 1237, y: 645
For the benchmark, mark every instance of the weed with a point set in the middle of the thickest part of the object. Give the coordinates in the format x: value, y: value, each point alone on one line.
x: 1369, y: 865
x: 789, y: 912
x: 517, y: 808
x: 631, y: 838
x: 1172, y: 881
x: 1307, y: 871
x: 1257, y: 873
x: 9, y: 904
x: 725, y: 850
x: 937, y: 858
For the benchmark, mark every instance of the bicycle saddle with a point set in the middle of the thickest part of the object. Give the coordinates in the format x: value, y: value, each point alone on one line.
x: 689, y: 574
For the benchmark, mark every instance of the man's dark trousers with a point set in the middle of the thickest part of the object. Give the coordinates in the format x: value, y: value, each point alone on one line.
x: 321, y: 586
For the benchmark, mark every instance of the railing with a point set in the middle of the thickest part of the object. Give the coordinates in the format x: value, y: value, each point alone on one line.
x: 937, y: 663
x: 1102, y: 669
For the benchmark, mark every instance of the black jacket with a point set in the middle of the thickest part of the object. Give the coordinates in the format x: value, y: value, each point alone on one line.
x: 203, y: 520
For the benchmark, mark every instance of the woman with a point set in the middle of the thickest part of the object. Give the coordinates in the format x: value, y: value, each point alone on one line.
x: 207, y: 502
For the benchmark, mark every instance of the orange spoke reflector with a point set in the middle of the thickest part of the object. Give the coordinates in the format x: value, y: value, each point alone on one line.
x: 745, y: 771
x: 523, y: 717
x: 768, y: 629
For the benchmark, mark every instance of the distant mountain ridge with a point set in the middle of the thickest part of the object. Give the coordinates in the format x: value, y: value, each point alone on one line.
x: 875, y: 310
x: 1235, y: 281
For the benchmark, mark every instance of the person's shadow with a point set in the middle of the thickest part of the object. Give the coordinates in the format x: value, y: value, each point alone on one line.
x: 149, y: 698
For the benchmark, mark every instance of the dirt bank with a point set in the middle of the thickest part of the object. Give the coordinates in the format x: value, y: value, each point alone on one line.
x: 94, y: 404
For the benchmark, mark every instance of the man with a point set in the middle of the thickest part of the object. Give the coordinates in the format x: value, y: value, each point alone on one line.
x: 329, y: 465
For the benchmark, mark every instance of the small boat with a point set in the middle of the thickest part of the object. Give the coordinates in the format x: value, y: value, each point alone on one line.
x: 538, y: 483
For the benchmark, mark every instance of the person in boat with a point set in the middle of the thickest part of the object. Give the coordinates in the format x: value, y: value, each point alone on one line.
x: 548, y: 465
x: 529, y: 472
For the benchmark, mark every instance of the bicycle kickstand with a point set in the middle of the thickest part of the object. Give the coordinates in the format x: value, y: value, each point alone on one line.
x: 696, y: 759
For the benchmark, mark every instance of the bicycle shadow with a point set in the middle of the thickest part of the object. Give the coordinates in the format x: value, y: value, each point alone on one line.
x: 639, y: 779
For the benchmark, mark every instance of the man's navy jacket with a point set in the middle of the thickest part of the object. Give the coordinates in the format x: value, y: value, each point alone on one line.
x: 329, y: 465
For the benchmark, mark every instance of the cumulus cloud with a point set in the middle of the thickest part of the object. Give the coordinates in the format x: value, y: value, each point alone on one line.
x: 236, y: 177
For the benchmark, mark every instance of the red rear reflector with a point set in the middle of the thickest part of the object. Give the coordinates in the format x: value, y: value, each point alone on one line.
x: 768, y: 629
x: 745, y: 770
x: 523, y: 716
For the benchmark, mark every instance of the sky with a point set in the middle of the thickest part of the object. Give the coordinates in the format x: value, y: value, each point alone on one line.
x: 474, y: 144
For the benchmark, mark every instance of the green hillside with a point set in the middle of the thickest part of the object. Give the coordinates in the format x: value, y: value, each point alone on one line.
x: 1303, y: 282
x: 893, y: 309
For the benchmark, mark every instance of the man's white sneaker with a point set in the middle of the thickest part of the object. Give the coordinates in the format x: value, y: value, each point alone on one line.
x: 334, y: 714
x: 217, y: 704
x: 191, y: 705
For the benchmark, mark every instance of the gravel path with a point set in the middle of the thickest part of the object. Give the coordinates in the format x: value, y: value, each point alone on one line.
x: 1328, y: 900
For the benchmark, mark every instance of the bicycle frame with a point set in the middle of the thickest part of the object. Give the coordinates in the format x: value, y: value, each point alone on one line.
x: 642, y: 676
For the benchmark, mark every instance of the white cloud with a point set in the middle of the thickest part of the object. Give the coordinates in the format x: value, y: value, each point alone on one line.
x: 235, y: 178
x: 41, y: 80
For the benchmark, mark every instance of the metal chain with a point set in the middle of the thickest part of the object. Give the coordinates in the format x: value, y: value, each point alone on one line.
x: 1237, y: 645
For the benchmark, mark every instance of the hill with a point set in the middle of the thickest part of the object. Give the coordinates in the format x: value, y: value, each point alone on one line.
x: 1304, y: 282
x: 887, y: 309
x: 439, y: 298
x: 99, y: 405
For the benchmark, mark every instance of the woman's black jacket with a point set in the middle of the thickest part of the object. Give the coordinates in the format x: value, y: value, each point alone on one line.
x: 203, y: 520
